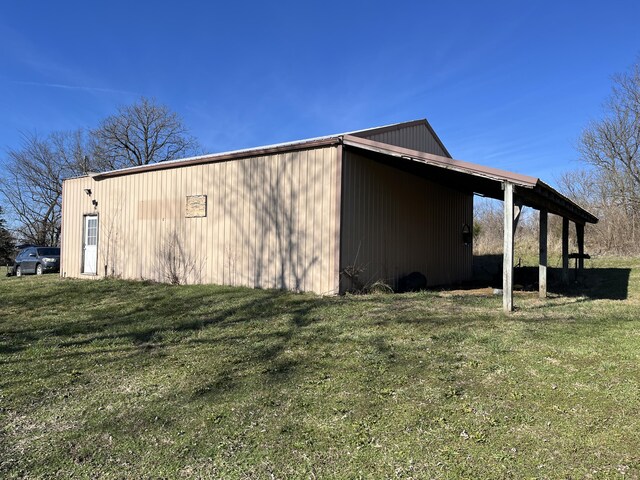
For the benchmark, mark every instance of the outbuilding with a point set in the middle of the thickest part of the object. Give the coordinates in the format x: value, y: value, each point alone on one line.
x: 323, y: 215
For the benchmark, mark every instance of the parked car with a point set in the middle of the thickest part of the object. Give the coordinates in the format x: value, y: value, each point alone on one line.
x: 37, y: 260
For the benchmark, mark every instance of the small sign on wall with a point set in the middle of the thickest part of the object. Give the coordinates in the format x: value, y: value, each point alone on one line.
x: 196, y: 206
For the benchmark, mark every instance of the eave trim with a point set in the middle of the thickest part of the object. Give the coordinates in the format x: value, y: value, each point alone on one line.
x: 442, y: 162
x: 221, y: 157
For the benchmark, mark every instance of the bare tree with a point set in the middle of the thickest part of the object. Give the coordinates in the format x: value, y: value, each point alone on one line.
x: 610, y: 147
x: 488, y: 225
x: 139, y: 134
x: 617, y: 229
x: 32, y: 182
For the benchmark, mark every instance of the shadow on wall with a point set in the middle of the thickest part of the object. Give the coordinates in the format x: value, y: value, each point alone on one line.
x: 174, y: 263
x: 279, y: 242
x: 595, y: 283
x: 112, y: 245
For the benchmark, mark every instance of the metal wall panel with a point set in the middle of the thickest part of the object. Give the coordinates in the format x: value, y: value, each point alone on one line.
x: 415, y: 137
x: 395, y: 223
x: 271, y: 222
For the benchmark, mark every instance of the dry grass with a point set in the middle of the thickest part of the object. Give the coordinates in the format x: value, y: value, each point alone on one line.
x: 118, y: 379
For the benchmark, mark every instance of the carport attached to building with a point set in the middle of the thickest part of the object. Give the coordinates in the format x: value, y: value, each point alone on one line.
x: 513, y: 189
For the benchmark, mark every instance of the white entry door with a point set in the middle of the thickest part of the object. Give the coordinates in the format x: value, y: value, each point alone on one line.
x: 90, y: 245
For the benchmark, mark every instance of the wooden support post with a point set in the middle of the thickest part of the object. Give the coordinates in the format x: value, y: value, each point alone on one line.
x: 565, y: 250
x: 517, y: 210
x: 542, y: 274
x: 580, y: 239
x: 507, y: 252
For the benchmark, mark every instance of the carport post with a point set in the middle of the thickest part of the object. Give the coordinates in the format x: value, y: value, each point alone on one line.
x: 565, y: 250
x: 507, y: 252
x: 542, y: 274
x: 580, y: 239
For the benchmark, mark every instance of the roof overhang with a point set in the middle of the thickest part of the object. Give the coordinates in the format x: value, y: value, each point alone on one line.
x: 473, y: 178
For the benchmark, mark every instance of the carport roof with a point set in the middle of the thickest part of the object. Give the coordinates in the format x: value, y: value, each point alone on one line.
x: 471, y: 177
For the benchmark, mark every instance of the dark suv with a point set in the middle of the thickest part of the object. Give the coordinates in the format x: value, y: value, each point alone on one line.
x: 37, y: 260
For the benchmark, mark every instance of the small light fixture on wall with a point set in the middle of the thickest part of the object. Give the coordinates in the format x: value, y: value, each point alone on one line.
x: 466, y: 234
x: 95, y: 203
x: 87, y: 191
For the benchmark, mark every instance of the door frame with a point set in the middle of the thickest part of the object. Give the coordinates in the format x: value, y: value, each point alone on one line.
x: 83, y: 244
x: 30, y: 261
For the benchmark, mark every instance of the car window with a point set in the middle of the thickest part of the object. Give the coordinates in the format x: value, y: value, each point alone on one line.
x: 48, y: 251
x: 24, y: 253
x: 30, y: 251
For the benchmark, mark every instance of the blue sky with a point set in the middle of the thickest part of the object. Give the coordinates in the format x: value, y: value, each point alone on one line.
x: 506, y: 84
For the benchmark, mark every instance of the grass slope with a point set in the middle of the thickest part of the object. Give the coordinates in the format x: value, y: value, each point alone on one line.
x: 118, y: 379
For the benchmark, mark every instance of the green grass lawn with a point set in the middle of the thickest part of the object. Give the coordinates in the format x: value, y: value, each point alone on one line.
x: 117, y: 379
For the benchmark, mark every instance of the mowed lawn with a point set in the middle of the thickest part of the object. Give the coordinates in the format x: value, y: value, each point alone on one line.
x: 118, y: 379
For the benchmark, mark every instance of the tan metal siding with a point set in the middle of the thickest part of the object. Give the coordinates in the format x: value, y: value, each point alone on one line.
x: 416, y: 137
x: 394, y: 223
x: 76, y: 204
x: 271, y: 222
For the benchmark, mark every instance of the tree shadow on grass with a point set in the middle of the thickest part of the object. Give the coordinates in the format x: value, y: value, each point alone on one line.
x: 135, y: 319
x: 127, y: 314
x: 241, y: 352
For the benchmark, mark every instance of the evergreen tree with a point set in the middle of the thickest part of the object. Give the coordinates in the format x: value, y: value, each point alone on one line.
x: 7, y: 245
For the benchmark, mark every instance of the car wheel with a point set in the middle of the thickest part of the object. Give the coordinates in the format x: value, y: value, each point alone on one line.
x: 38, y: 269
x: 19, y: 271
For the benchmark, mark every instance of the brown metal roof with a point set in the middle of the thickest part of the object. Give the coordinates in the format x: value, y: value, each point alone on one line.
x: 471, y: 177
x: 441, y: 162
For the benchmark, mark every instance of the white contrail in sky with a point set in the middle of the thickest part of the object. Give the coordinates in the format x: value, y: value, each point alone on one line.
x: 73, y: 87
